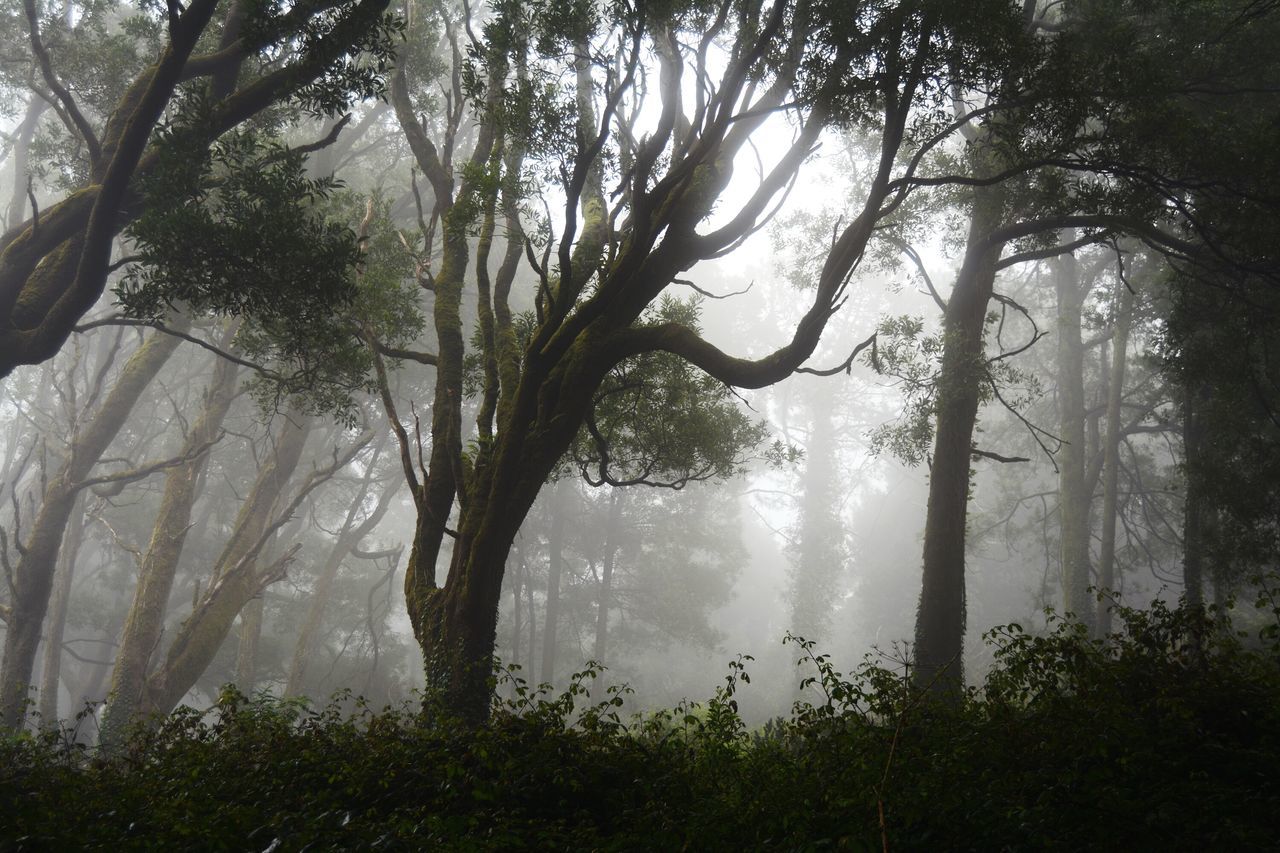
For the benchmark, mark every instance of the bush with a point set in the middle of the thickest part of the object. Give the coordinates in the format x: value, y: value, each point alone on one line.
x: 1165, y: 737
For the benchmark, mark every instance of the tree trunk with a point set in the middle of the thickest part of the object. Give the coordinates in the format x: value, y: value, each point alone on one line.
x: 246, y: 676
x: 612, y: 540
x: 1194, y: 510
x: 236, y: 578
x: 145, y: 622
x: 1111, y: 454
x: 33, y: 576
x: 555, y: 570
x: 1074, y: 498
x: 517, y: 606
x: 51, y: 671
x: 348, y: 538
x: 817, y: 555
x: 21, y: 157
x: 940, y: 619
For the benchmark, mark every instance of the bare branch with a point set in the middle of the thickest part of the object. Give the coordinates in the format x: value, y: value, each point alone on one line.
x: 845, y: 366
x: 711, y: 295
x: 143, y: 471
x: 68, y: 103
x: 987, y: 454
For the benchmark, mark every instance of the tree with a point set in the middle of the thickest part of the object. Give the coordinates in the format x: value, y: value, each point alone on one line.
x: 54, y: 266
x: 38, y: 556
x: 159, y: 564
x: 603, y: 269
x: 1076, y: 141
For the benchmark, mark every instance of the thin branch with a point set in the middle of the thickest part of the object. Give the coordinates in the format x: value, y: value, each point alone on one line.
x: 711, y: 295
x: 987, y: 454
x: 908, y: 250
x: 845, y: 366
x: 426, y: 358
x: 117, y: 320
x: 143, y: 471
x: 51, y: 80
x: 1035, y: 431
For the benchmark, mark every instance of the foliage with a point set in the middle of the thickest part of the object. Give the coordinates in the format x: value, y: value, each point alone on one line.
x: 658, y: 420
x: 1166, y: 736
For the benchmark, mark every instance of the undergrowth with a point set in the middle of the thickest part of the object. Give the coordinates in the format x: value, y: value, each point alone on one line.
x: 1164, y: 738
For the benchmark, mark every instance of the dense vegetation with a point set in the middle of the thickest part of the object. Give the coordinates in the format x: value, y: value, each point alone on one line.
x: 1166, y: 738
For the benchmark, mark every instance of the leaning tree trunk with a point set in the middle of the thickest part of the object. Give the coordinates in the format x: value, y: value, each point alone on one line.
x: 940, y: 618
x: 145, y: 622
x: 1074, y: 496
x: 1111, y: 456
x: 236, y: 579
x: 33, y: 576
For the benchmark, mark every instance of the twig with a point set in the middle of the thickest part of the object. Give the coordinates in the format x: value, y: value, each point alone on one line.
x: 845, y: 366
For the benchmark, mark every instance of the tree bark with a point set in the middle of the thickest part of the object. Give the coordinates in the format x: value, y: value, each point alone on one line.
x: 145, y: 622
x: 1074, y: 497
x: 612, y: 541
x: 51, y: 671
x: 555, y: 571
x: 940, y: 618
x: 236, y: 578
x: 33, y: 576
x: 246, y: 675
x: 1111, y: 454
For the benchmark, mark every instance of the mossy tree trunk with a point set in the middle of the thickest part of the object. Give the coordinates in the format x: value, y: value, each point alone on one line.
x: 145, y: 622
x: 236, y: 579
x: 54, y: 267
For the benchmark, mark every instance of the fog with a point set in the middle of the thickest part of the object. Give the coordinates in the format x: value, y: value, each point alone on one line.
x: 265, y: 473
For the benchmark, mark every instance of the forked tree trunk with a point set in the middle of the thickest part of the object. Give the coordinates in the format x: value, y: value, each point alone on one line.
x: 237, y: 579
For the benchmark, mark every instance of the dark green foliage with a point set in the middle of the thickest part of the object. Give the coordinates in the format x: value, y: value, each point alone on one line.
x: 236, y: 229
x: 659, y: 420
x: 1164, y: 739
